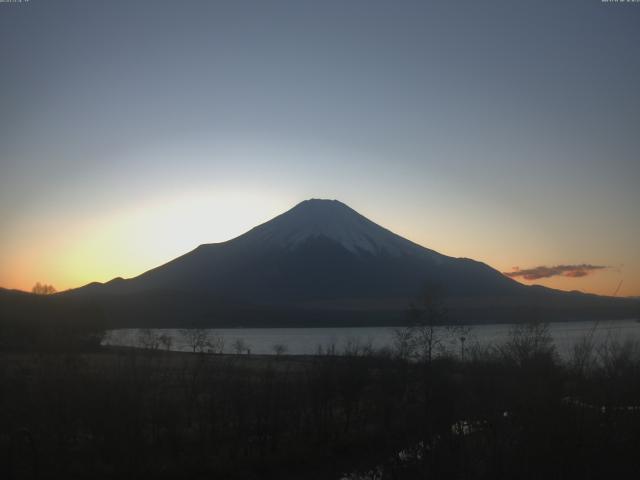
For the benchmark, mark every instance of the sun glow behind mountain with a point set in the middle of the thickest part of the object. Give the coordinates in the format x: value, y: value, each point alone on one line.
x: 131, y: 240
x: 128, y: 241
x: 125, y: 143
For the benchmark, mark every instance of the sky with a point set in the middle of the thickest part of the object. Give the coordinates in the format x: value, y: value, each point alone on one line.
x: 506, y: 132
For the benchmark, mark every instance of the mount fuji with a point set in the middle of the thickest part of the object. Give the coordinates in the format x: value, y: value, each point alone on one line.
x: 322, y: 263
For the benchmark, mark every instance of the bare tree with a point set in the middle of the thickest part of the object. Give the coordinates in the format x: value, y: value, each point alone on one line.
x: 429, y: 331
x: 279, y: 349
x: 197, y: 338
x: 403, y: 342
x: 166, y: 341
x: 216, y: 343
x: 458, y: 336
x: 618, y: 357
x: 528, y: 342
x: 583, y: 358
x: 426, y: 316
x: 240, y: 346
x: 148, y: 339
x: 43, y: 289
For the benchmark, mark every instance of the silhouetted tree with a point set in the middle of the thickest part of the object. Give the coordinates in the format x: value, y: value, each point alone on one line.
x: 166, y: 341
x: 148, y: 339
x: 240, y: 346
x: 423, y: 337
x: 529, y: 342
x: 197, y: 338
x: 43, y: 289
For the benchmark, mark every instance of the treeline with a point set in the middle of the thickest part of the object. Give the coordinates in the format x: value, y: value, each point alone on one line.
x: 509, y: 411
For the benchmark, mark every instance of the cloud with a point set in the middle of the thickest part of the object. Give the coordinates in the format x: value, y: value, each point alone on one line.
x: 570, y: 271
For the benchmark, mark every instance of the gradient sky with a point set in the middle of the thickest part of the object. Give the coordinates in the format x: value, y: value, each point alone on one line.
x: 133, y: 131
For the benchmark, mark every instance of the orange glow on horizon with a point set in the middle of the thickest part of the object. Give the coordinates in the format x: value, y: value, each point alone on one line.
x: 127, y: 243
x: 130, y: 242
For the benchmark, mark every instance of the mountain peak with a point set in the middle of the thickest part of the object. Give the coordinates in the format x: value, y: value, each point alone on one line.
x: 322, y: 206
x: 319, y: 205
x: 321, y: 201
x: 333, y: 220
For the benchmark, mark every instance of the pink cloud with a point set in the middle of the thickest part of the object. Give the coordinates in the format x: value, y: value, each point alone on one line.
x: 570, y: 271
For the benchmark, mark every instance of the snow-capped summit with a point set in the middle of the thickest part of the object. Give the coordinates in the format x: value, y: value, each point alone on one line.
x: 335, y: 221
x: 317, y: 264
x: 319, y: 249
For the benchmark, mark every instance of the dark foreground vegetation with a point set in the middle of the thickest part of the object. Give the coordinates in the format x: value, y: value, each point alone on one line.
x: 48, y: 323
x: 511, y: 411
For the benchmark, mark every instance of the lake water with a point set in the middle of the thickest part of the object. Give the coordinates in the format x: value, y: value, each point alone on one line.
x: 305, y: 341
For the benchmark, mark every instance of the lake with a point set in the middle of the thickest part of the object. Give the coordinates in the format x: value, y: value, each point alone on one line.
x: 306, y: 341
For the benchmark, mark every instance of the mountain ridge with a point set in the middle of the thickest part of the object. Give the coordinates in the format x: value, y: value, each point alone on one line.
x: 320, y: 256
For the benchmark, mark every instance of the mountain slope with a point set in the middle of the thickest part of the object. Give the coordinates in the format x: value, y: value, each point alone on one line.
x: 320, y: 249
x: 321, y: 256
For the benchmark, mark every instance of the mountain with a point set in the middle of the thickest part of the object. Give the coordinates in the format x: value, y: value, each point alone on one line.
x: 320, y: 263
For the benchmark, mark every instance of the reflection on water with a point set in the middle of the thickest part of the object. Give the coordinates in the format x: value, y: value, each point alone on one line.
x: 308, y: 341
